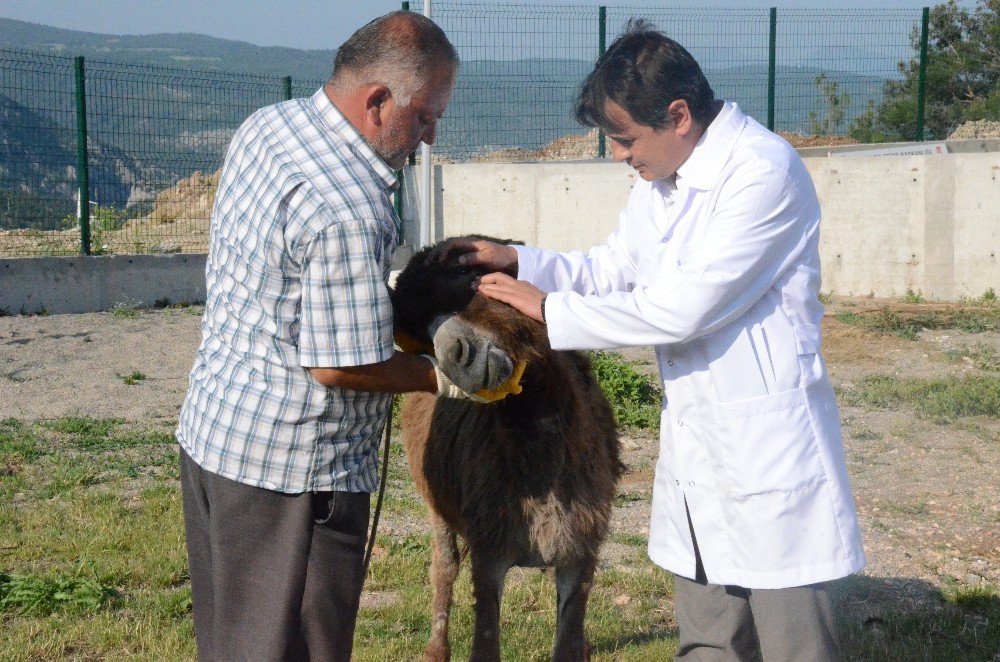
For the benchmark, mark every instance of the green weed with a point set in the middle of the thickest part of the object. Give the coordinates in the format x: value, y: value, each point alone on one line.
x: 983, y: 356
x: 907, y: 326
x: 133, y: 378
x: 634, y: 399
x: 32, y: 595
x: 948, y: 398
x: 125, y: 311
x: 913, y: 297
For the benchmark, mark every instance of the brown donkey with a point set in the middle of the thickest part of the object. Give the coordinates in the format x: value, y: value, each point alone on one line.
x: 527, y: 480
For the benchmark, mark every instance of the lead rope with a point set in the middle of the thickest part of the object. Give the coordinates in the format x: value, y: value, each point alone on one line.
x: 381, y: 493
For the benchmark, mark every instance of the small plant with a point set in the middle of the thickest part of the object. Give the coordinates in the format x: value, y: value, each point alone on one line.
x: 989, y: 297
x: 132, y: 378
x: 913, y: 297
x: 941, y: 399
x: 125, y: 311
x: 983, y: 356
x: 634, y: 399
x: 826, y: 298
x: 37, y: 596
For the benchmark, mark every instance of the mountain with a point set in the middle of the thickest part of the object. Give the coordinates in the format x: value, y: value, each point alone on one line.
x: 193, y: 51
x: 162, y: 107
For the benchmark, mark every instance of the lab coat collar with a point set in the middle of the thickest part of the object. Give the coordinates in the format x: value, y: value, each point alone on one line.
x: 702, y: 169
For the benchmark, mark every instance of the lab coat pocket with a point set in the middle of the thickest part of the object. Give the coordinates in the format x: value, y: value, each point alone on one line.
x: 768, y: 444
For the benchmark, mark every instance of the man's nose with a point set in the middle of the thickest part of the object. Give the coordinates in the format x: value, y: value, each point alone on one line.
x: 618, y: 152
x: 430, y: 133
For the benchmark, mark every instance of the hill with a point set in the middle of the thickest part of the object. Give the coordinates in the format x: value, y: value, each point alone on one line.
x: 186, y: 50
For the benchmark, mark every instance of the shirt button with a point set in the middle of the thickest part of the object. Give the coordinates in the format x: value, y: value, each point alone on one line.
x: 680, y: 423
x: 678, y: 483
x: 670, y: 363
x: 690, y: 483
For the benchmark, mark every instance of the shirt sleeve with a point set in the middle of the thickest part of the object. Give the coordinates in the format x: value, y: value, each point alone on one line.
x: 346, y: 317
x: 765, y: 217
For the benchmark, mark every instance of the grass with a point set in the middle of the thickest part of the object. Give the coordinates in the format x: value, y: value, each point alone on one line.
x: 908, y: 325
x: 125, y: 311
x: 633, y: 396
x: 981, y: 355
x: 93, y: 566
x: 133, y: 378
x: 940, y: 399
x: 964, y: 626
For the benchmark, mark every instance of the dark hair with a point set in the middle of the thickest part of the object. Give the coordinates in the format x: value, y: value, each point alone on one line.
x: 644, y: 71
x: 399, y: 49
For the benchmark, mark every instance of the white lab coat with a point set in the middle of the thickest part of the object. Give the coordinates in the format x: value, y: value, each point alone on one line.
x: 720, y: 273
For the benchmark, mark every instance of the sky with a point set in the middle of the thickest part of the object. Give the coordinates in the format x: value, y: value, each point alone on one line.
x: 311, y: 24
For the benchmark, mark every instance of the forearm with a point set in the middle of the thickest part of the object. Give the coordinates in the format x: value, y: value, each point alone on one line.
x: 401, y: 373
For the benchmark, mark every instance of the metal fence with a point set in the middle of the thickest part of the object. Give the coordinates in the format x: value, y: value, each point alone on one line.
x: 145, y: 143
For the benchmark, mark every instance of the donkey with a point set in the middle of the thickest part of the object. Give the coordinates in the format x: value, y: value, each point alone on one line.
x: 527, y: 480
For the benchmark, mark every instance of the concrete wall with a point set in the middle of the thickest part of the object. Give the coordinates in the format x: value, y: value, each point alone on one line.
x: 890, y: 223
x: 81, y: 285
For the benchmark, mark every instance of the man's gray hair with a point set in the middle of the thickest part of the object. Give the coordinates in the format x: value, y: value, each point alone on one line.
x: 401, y: 50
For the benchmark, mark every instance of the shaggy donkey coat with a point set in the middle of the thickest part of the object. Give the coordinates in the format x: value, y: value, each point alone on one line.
x: 526, y: 481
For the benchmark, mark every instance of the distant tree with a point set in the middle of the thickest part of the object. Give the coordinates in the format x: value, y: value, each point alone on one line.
x: 963, y: 77
x: 836, y: 102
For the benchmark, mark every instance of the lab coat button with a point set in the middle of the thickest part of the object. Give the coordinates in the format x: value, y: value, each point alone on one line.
x: 680, y: 423
x: 690, y: 483
x: 678, y: 483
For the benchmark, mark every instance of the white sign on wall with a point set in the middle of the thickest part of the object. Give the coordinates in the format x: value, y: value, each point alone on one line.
x: 916, y: 149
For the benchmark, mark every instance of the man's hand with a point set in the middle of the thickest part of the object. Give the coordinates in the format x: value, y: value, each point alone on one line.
x: 477, y: 252
x: 518, y: 294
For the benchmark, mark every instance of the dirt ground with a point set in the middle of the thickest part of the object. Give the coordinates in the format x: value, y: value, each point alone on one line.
x: 926, y: 492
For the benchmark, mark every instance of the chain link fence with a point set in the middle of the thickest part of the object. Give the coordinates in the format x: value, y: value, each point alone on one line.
x: 146, y: 143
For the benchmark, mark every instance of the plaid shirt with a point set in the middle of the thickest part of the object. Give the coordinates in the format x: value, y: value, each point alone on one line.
x: 302, y: 236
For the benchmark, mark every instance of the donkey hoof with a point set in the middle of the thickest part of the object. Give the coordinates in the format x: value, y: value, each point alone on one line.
x: 436, y: 652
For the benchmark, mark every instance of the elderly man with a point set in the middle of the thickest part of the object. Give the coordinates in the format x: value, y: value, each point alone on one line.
x: 715, y: 263
x: 293, y: 380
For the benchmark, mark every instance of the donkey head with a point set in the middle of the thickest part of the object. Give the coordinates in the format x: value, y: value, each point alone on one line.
x: 477, y: 341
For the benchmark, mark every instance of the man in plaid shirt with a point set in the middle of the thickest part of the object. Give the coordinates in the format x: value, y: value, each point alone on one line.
x: 294, y: 377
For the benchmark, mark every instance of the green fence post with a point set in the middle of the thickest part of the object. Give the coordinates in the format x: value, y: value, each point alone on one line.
x: 286, y: 83
x: 922, y: 80
x: 82, y: 178
x: 406, y: 6
x: 772, y: 68
x: 602, y: 47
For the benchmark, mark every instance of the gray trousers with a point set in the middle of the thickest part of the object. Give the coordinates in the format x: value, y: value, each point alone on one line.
x: 274, y: 576
x: 734, y: 624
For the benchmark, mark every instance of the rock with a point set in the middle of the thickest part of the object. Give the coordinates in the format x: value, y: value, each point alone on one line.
x: 166, y: 247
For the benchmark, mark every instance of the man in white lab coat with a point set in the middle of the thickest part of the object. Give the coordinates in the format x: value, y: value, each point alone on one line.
x: 715, y: 264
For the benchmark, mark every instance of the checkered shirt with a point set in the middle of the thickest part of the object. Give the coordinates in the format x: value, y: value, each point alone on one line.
x: 302, y: 235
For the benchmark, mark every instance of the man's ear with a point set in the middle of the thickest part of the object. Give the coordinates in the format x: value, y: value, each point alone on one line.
x: 375, y: 97
x: 680, y: 115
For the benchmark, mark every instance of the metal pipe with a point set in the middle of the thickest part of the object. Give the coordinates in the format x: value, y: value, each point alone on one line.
x: 425, y: 174
x: 925, y: 20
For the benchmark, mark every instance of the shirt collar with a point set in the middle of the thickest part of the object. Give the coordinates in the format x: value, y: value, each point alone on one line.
x: 702, y: 168
x: 339, y: 124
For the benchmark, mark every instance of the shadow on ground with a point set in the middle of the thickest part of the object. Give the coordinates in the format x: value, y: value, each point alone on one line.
x: 907, y: 619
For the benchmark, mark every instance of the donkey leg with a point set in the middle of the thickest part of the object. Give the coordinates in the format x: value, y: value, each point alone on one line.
x: 573, y: 584
x: 444, y: 569
x: 488, y: 575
